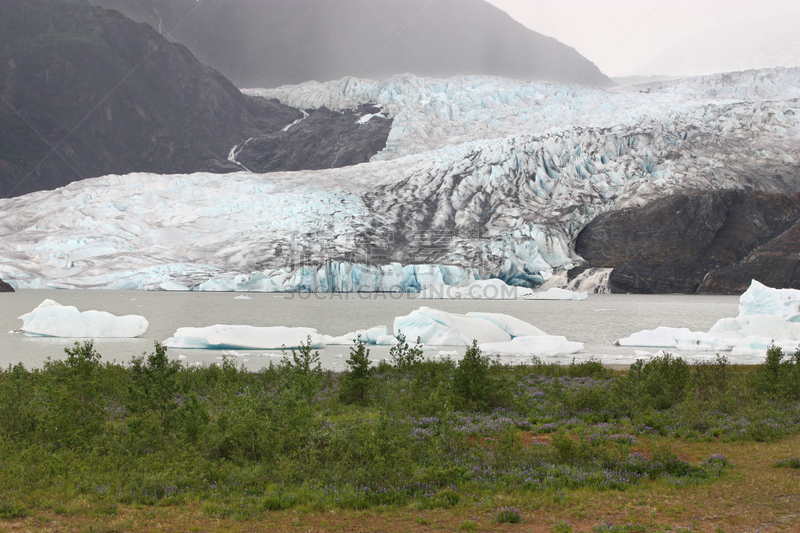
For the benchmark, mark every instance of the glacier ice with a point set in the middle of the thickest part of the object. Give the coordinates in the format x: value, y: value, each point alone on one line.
x: 439, y: 328
x: 539, y: 346
x: 51, y: 319
x: 762, y: 300
x: 482, y: 178
x: 367, y: 336
x: 767, y: 316
x: 240, y: 337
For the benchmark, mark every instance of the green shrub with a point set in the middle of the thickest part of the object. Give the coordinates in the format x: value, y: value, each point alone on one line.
x: 661, y: 382
x: 356, y: 381
x: 403, y: 356
x: 776, y: 378
x: 303, y: 369
x: 471, y: 382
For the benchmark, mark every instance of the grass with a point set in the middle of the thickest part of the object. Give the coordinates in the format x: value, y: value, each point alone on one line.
x: 153, y: 446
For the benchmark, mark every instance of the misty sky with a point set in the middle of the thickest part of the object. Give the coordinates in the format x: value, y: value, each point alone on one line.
x: 671, y: 37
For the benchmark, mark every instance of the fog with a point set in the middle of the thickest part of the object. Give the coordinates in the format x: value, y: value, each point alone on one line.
x: 675, y: 37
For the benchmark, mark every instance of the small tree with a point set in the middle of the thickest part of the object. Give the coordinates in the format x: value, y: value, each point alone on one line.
x: 154, y: 384
x: 402, y: 355
x: 356, y: 381
x: 304, y: 369
x: 471, y: 378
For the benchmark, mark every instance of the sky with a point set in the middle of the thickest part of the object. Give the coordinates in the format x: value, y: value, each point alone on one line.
x: 669, y: 37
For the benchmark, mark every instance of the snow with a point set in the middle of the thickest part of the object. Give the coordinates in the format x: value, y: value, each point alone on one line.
x: 51, y: 319
x: 239, y: 337
x: 767, y: 316
x: 485, y: 178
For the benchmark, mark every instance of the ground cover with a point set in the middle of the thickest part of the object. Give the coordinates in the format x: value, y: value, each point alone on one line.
x: 409, y: 445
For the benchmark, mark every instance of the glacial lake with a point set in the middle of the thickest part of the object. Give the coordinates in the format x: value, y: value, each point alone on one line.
x: 597, y: 321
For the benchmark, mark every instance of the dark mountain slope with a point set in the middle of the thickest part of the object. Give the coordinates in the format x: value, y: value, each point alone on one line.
x: 670, y: 245
x: 775, y: 264
x: 86, y: 92
x: 267, y: 43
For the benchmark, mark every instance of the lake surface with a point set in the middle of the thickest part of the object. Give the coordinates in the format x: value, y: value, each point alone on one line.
x: 597, y: 321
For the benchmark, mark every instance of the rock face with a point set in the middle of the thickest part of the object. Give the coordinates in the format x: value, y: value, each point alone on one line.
x: 672, y: 244
x: 88, y: 92
x: 5, y: 287
x: 323, y: 139
x: 775, y: 264
x: 268, y: 43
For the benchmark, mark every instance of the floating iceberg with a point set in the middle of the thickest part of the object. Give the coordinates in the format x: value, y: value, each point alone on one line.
x: 767, y: 316
x: 51, y: 319
x: 439, y: 328
x: 540, y: 346
x: 367, y: 336
x: 224, y: 337
x: 496, y: 333
x: 762, y: 300
x: 511, y: 325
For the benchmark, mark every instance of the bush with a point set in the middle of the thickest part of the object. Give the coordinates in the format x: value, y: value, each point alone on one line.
x: 661, y: 382
x: 776, y: 378
x: 471, y: 381
x: 303, y: 371
x: 356, y: 381
x: 404, y: 357
x: 154, y: 384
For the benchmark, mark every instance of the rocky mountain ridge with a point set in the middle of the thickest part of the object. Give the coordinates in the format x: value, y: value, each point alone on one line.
x: 269, y: 43
x: 87, y: 92
x: 693, y: 242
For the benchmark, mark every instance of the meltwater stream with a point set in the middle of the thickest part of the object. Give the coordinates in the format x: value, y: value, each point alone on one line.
x: 597, y: 321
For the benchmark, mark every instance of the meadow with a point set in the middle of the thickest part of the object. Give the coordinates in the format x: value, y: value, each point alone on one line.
x: 407, y: 445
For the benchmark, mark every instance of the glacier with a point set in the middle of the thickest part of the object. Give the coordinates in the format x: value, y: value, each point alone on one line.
x: 482, y: 178
x: 51, y: 319
x: 766, y: 317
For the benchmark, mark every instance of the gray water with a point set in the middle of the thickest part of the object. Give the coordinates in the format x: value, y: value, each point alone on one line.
x: 597, y: 321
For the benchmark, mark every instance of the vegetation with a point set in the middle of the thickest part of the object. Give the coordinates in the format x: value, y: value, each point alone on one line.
x: 416, y: 434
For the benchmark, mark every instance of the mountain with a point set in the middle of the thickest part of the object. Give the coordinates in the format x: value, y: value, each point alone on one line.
x: 480, y: 177
x: 671, y: 245
x: 85, y: 91
x: 268, y: 43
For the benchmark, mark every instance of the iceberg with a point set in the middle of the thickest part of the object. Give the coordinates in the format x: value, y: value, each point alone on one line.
x: 540, y: 346
x: 439, y: 328
x: 367, y: 336
x: 51, y: 319
x: 762, y: 300
x: 226, y: 337
x: 767, y: 316
x: 511, y: 325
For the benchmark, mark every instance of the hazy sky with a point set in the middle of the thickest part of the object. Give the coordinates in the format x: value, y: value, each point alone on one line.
x: 672, y: 37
